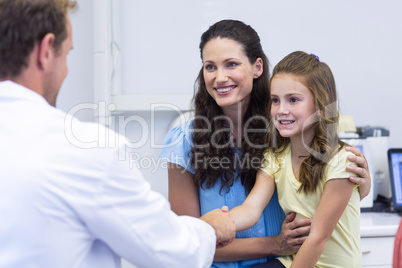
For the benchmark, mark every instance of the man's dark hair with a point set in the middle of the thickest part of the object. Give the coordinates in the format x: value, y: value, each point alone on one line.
x: 24, y: 23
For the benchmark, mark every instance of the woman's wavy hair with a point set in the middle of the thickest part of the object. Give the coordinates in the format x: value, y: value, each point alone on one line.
x: 316, y: 76
x: 213, y: 154
x: 24, y: 23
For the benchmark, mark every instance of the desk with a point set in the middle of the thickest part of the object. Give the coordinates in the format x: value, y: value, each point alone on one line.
x: 377, y: 231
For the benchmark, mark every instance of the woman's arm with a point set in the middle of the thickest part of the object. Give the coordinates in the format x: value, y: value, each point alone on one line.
x: 184, y: 190
x: 335, y: 198
x: 363, y: 177
x: 183, y: 194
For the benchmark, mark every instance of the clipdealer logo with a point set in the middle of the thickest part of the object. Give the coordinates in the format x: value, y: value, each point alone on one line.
x: 103, y: 136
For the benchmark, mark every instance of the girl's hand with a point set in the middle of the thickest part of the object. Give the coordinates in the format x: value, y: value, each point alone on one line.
x: 363, y: 177
x: 293, y: 234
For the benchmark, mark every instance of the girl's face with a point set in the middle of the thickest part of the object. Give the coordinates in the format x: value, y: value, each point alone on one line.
x: 228, y: 73
x: 292, y: 107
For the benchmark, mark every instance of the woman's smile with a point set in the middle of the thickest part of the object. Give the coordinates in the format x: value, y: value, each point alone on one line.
x: 225, y: 90
x: 228, y: 73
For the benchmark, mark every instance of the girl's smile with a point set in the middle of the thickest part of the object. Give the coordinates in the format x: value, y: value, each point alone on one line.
x: 292, y: 108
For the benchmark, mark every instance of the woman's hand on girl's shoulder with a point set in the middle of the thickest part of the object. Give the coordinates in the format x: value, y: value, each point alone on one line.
x: 362, y: 171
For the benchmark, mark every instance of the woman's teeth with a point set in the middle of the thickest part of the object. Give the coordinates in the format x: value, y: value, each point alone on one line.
x: 223, y: 90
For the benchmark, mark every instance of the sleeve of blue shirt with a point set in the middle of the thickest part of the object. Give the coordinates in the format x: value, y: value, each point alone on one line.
x: 177, y: 146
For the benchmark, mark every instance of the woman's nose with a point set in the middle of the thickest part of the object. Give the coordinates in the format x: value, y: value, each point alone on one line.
x: 221, y: 75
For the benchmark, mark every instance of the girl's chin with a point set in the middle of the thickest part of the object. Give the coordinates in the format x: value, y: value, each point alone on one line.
x: 285, y: 133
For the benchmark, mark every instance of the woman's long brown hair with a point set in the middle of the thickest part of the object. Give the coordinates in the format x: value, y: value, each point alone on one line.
x: 214, y: 145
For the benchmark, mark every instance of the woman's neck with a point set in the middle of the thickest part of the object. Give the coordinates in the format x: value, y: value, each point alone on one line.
x: 236, y: 114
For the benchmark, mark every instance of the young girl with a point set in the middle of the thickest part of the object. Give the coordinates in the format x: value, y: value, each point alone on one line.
x: 306, y: 161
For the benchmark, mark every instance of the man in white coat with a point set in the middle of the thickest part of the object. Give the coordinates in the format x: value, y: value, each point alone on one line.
x: 63, y: 206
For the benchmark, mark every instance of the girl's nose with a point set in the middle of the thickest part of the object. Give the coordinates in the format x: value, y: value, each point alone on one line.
x: 283, y: 109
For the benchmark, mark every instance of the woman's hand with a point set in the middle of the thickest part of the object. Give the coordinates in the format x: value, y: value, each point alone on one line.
x: 293, y: 234
x: 363, y: 177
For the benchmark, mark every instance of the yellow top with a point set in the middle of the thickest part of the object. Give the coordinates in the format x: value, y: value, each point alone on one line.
x: 343, y: 248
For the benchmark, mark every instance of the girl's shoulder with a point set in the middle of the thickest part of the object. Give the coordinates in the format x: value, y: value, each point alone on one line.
x: 341, y: 157
x: 275, y: 159
x: 279, y: 153
x: 336, y: 167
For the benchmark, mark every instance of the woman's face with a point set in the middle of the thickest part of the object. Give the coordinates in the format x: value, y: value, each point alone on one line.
x: 228, y: 73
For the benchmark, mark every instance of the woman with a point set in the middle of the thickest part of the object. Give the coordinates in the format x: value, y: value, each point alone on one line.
x: 214, y: 158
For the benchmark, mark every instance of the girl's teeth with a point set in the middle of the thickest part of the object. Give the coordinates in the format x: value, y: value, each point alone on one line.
x: 286, y: 122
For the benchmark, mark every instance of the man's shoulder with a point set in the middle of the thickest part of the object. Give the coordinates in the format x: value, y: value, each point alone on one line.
x: 88, y: 135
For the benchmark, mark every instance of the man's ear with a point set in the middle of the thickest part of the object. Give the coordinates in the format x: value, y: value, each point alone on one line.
x: 46, y: 52
x: 258, y: 68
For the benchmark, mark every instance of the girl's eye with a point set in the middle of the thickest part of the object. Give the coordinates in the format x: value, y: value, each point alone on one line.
x: 294, y: 100
x: 274, y: 100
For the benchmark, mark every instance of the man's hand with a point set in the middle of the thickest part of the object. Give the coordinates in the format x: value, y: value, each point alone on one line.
x: 223, y: 224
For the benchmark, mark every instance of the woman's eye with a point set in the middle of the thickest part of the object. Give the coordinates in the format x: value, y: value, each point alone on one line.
x: 232, y: 64
x: 209, y: 67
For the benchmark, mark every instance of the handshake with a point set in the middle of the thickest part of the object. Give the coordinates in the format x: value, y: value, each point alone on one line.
x: 223, y: 224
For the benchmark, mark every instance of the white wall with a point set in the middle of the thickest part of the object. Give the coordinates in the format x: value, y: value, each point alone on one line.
x: 360, y: 40
x: 78, y: 86
x: 367, y: 72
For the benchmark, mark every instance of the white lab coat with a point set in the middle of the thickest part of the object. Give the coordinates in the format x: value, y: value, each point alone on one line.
x: 64, y: 205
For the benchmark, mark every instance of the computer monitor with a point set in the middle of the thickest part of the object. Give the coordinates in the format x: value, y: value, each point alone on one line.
x: 395, y: 174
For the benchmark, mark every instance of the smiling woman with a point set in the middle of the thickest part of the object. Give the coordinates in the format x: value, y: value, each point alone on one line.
x: 232, y: 94
x: 225, y: 140
x: 228, y: 73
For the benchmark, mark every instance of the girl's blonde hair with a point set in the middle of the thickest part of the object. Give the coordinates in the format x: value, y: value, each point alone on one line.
x: 318, y: 78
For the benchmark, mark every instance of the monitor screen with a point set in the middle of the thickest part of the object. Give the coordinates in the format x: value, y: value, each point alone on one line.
x: 395, y: 172
x: 360, y: 147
